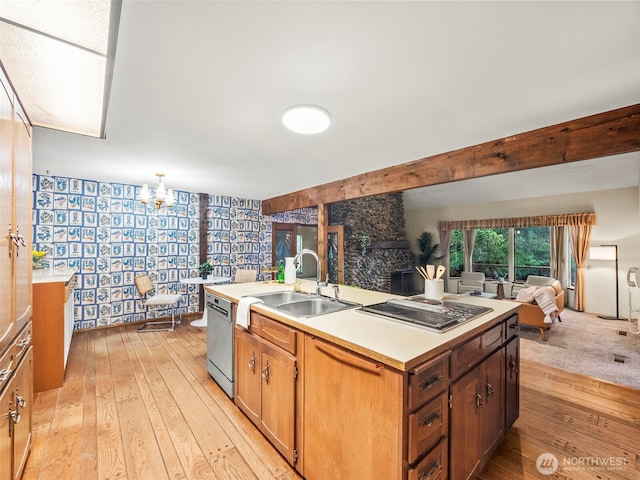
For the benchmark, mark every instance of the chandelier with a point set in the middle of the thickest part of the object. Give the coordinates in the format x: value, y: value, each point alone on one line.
x: 163, y: 196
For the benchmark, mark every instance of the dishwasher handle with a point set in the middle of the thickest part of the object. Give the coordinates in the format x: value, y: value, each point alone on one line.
x: 223, y: 312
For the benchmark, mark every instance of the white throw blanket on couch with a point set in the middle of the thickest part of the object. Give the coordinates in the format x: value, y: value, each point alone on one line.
x: 545, y: 298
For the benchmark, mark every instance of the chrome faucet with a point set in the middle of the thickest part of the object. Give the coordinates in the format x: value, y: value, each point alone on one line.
x: 319, y: 283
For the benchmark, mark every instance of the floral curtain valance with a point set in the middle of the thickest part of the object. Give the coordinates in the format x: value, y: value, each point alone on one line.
x: 570, y: 219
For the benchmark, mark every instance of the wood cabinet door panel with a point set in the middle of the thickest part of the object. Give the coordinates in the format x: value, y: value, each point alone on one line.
x: 512, y: 382
x: 278, y: 395
x: 247, y: 392
x: 22, y: 218
x: 6, y: 187
x: 492, y: 418
x: 24, y: 406
x: 352, y: 417
x: 466, y: 404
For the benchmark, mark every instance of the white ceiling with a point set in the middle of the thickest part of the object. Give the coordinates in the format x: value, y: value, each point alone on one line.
x: 199, y: 87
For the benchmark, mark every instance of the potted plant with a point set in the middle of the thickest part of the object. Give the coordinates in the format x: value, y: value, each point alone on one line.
x: 427, y: 249
x: 205, y: 269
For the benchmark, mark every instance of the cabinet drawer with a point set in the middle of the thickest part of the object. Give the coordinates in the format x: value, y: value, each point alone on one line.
x: 512, y: 327
x: 7, y: 365
x: 469, y: 354
x: 279, y: 334
x: 23, y: 342
x: 256, y: 323
x: 427, y: 426
x: 433, y: 466
x: 427, y: 380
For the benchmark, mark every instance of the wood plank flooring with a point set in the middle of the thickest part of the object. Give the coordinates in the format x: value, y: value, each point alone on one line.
x: 142, y: 406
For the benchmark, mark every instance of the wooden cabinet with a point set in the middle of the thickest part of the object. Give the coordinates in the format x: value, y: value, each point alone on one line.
x: 16, y: 401
x: 353, y: 415
x: 484, y: 400
x: 266, y: 372
x: 349, y: 416
x: 16, y: 377
x: 52, y: 331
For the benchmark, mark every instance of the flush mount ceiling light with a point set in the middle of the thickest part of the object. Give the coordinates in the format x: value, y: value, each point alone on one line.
x: 306, y: 119
x: 163, y: 196
x: 60, y: 56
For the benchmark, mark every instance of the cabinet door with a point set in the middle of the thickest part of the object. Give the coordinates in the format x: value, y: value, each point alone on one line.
x: 6, y: 179
x: 278, y: 397
x: 512, y: 382
x: 22, y: 216
x: 247, y: 389
x: 23, y: 405
x: 352, y: 417
x: 492, y: 412
x: 466, y: 409
x: 6, y: 441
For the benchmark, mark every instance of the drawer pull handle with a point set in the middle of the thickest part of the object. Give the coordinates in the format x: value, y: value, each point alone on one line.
x: 6, y: 373
x: 24, y: 342
x: 265, y: 372
x: 252, y: 362
x: 431, y: 382
x: 428, y: 472
x: 513, y: 366
x: 427, y: 422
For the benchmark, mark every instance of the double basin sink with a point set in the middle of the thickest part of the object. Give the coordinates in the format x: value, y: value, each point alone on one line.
x: 304, y: 305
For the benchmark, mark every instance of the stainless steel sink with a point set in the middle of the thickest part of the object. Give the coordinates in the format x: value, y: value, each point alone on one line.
x: 316, y: 306
x: 273, y: 299
x: 304, y: 305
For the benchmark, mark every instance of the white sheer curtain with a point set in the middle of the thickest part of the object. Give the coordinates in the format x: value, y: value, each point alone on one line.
x: 469, y: 240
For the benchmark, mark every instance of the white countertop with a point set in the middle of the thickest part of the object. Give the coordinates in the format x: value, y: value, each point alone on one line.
x: 393, y: 343
x: 46, y: 275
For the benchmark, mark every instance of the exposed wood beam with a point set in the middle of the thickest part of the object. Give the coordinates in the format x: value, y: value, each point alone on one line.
x: 604, y: 134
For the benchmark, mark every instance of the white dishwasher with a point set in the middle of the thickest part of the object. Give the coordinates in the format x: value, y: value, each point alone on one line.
x: 220, y: 341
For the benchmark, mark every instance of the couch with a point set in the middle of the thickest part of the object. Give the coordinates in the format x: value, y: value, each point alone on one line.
x: 531, y: 314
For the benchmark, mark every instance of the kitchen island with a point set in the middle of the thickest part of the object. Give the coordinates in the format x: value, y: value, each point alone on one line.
x: 353, y: 395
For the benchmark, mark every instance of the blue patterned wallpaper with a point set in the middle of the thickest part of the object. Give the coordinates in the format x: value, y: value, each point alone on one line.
x: 106, y: 235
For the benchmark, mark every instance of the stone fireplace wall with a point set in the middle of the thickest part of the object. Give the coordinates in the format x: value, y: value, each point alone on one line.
x: 375, y: 239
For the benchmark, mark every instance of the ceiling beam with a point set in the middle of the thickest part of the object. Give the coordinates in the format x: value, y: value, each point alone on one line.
x: 604, y: 134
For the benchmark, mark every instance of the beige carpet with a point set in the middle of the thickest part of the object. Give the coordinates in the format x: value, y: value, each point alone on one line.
x: 586, y: 344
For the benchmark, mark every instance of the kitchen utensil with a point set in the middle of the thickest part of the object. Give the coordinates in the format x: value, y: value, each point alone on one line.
x: 421, y: 274
x: 440, y: 271
x: 425, y: 274
x: 430, y: 270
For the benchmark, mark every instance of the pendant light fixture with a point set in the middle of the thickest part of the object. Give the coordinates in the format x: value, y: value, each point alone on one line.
x: 162, y: 195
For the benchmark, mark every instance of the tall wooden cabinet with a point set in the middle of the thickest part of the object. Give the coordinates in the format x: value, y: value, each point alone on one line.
x: 16, y: 365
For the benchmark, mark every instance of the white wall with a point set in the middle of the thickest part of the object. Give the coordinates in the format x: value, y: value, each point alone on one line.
x: 618, y: 222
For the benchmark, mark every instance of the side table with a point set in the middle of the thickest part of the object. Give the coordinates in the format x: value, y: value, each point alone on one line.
x: 202, y: 322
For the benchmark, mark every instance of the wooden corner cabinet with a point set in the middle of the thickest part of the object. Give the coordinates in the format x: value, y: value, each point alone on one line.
x: 16, y: 360
x: 350, y: 416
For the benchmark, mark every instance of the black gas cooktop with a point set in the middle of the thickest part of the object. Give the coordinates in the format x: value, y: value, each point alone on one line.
x: 434, y: 315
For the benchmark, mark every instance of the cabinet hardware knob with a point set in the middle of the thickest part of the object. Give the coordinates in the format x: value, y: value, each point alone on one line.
x: 265, y: 372
x: 252, y: 362
x: 489, y: 389
x: 513, y: 366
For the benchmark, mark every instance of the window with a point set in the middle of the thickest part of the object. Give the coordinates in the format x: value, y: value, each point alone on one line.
x: 491, y: 252
x: 514, y: 253
x: 456, y: 254
x: 532, y: 252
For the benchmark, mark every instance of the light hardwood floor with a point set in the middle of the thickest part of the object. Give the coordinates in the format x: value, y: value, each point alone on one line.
x: 142, y: 406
